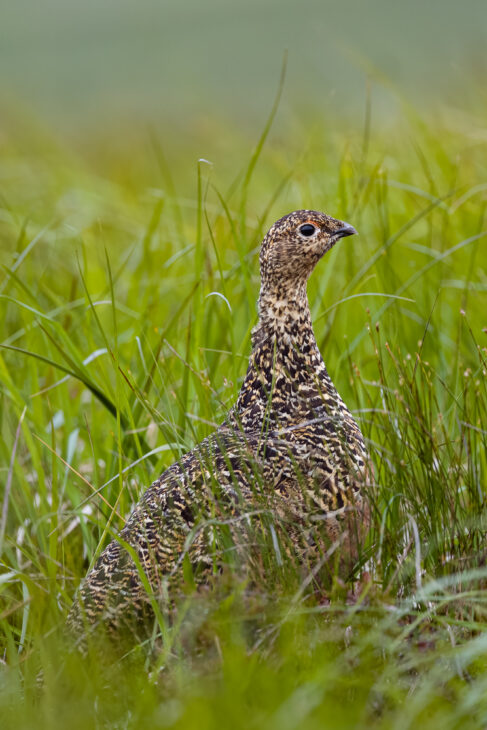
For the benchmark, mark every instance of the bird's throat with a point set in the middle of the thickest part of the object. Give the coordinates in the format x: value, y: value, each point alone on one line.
x: 284, y: 319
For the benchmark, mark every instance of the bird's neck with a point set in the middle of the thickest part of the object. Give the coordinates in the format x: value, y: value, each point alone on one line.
x: 284, y: 320
x: 282, y: 313
x: 285, y: 364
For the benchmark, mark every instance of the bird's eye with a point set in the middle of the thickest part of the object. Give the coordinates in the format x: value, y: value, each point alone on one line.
x: 307, y: 229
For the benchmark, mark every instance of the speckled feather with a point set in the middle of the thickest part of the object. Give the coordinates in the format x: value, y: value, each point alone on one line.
x: 289, y: 440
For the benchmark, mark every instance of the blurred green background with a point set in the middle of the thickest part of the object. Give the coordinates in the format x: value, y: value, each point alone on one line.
x: 81, y: 64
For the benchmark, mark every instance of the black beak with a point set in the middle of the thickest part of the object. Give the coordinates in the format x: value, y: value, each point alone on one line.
x: 345, y: 230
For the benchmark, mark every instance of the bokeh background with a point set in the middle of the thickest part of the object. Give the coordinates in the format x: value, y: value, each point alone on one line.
x: 81, y: 65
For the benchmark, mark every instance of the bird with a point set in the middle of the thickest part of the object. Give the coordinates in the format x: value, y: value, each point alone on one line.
x: 289, y: 443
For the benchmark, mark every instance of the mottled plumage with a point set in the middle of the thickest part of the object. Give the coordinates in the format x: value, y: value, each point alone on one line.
x: 289, y: 441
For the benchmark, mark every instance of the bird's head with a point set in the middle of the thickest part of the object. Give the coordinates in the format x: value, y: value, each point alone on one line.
x: 295, y: 243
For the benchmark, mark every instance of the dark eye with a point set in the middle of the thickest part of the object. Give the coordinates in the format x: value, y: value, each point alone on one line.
x: 307, y: 229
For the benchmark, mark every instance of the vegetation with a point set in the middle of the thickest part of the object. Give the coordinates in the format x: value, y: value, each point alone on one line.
x: 127, y: 296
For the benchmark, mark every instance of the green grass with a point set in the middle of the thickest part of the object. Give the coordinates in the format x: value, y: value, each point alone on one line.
x: 127, y: 295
